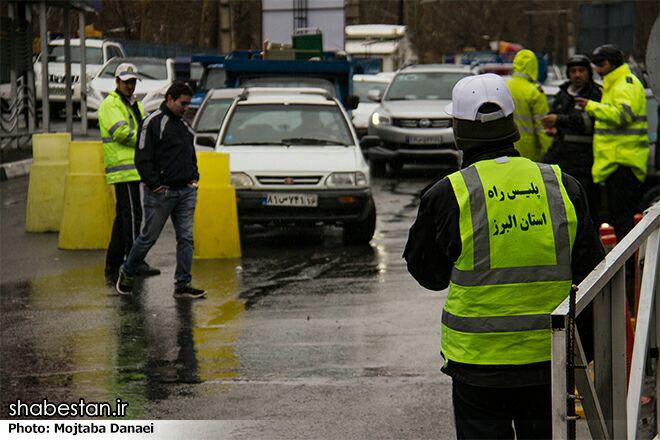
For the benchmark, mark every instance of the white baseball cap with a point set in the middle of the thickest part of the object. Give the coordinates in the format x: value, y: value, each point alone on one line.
x: 472, y: 92
x: 126, y: 71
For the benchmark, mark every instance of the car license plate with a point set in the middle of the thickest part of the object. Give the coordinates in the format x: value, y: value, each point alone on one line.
x: 290, y: 199
x: 57, y: 91
x: 424, y: 140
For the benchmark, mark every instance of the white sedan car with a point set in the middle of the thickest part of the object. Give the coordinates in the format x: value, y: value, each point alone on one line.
x: 295, y: 159
x: 156, y: 76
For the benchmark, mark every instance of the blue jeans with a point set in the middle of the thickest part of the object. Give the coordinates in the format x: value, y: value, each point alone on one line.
x: 179, y: 204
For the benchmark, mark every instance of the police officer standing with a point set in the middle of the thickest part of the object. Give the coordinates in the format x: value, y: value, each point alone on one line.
x: 621, y: 143
x: 572, y: 128
x: 508, y: 236
x: 120, y: 116
x: 531, y: 106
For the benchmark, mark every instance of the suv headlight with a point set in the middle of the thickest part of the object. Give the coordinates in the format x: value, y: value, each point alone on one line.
x: 380, y: 119
x: 241, y: 181
x: 344, y: 180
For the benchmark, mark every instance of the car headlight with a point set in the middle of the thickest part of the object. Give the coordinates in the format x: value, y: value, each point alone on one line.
x: 380, y: 119
x: 343, y: 180
x: 241, y: 181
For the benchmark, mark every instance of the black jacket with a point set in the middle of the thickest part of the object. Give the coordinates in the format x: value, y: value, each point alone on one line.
x: 434, y: 244
x: 165, y: 153
x: 572, y: 156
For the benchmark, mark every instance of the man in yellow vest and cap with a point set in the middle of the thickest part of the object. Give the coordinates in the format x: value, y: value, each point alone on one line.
x: 508, y: 236
x: 531, y: 106
x: 120, y: 116
x: 621, y: 143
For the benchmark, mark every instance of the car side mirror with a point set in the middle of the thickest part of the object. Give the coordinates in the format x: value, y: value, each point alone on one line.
x: 369, y: 141
x: 205, y: 140
x: 353, y: 102
x: 375, y: 95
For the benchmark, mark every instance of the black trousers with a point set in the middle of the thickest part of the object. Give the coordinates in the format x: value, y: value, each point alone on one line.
x: 502, y: 413
x: 624, y: 199
x: 126, y: 228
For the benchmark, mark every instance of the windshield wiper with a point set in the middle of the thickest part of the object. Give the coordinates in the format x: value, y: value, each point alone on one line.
x: 313, y: 141
x: 258, y: 143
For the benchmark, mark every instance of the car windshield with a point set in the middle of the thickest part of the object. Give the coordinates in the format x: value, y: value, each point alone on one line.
x: 212, y: 114
x: 428, y: 85
x: 213, y: 79
x: 93, y: 55
x: 361, y: 89
x: 291, y: 82
x: 280, y: 124
x: 146, y: 69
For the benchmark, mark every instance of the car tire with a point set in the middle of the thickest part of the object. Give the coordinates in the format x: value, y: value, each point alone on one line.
x: 363, y: 231
x: 377, y: 167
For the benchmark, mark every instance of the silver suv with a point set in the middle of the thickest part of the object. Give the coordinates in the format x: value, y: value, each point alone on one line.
x: 410, y: 120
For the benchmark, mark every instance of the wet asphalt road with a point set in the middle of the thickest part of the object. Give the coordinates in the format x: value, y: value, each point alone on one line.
x: 303, y: 337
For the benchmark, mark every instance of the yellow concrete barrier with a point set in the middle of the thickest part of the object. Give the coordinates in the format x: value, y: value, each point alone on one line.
x: 88, y: 201
x: 216, y: 217
x: 47, y: 177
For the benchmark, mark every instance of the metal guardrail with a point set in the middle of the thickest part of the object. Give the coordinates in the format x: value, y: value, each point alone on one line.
x: 611, y: 401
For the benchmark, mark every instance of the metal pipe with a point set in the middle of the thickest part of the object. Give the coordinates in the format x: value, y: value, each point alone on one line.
x: 13, y: 76
x: 67, y: 69
x: 31, y: 98
x: 43, y: 37
x: 83, y: 73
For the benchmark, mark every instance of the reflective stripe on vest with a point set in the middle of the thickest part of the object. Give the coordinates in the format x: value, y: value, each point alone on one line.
x: 621, y: 131
x: 119, y: 168
x: 495, y: 324
x: 483, y: 274
x: 578, y: 138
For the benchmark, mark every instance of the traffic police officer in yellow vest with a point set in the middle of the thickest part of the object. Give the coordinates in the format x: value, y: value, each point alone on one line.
x: 120, y: 116
x: 621, y: 143
x: 531, y: 106
x: 508, y: 236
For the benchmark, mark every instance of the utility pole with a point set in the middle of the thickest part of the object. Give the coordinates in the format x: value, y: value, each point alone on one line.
x: 226, y: 43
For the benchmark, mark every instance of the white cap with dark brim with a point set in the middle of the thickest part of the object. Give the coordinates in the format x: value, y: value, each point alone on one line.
x: 472, y: 92
x: 126, y: 71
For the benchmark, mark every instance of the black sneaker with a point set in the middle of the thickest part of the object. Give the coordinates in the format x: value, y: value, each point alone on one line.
x: 124, y: 284
x: 188, y: 291
x: 145, y: 270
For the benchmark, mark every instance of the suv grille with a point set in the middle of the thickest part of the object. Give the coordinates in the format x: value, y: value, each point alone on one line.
x: 289, y: 180
x: 422, y: 123
x: 61, y: 79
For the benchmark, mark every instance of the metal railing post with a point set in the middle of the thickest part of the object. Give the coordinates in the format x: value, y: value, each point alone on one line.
x: 603, y: 379
x: 618, y: 354
x: 644, y: 316
x: 43, y: 37
x: 559, y: 379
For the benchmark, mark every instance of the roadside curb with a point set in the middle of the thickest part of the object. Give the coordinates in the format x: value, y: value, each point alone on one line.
x: 12, y: 170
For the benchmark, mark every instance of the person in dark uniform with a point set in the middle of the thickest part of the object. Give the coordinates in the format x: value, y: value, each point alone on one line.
x: 572, y: 128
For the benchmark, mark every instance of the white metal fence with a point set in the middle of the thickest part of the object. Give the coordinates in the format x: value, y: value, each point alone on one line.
x: 610, y: 400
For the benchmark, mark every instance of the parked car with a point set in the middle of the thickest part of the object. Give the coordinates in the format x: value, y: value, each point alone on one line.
x: 411, y: 122
x: 295, y: 159
x: 209, y: 117
x: 156, y: 75
x: 362, y: 84
x: 97, y: 53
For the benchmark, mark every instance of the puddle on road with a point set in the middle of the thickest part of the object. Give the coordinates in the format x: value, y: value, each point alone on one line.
x: 63, y: 337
